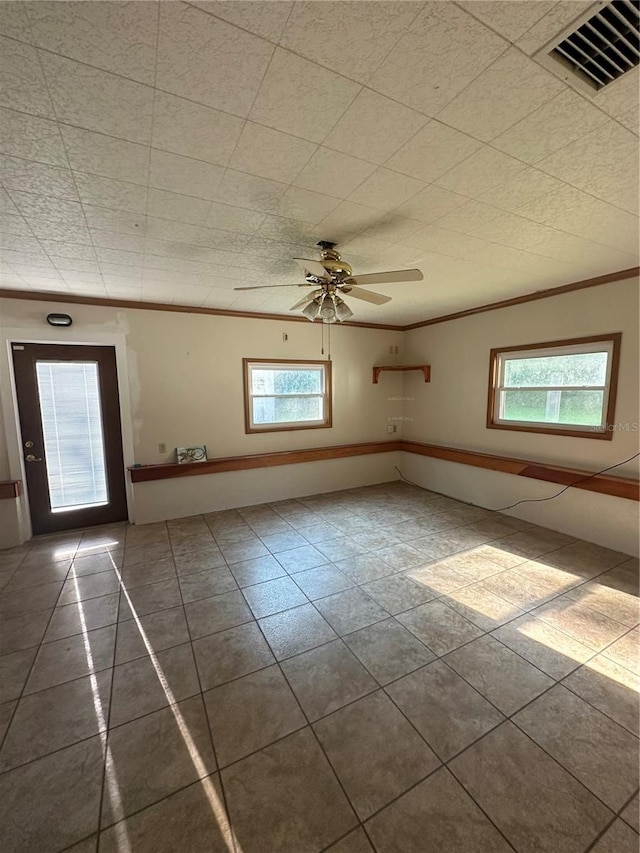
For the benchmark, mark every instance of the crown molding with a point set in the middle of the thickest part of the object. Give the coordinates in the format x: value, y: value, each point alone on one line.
x: 106, y: 302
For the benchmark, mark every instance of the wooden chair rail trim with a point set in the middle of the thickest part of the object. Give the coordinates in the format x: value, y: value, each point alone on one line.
x: 425, y: 368
x: 621, y: 487
x: 10, y: 489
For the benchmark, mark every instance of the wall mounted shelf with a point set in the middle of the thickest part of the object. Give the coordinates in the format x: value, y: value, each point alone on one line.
x: 425, y: 368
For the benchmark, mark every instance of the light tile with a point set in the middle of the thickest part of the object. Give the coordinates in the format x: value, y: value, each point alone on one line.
x: 374, y: 127
x: 218, y: 613
x: 442, y: 53
x: 610, y: 688
x: 589, y: 627
x: 270, y: 154
x: 439, y: 627
x: 356, y: 36
x: 150, y: 634
x: 506, y: 92
x: 96, y: 100
x: 299, y: 97
x: 231, y: 654
x: 350, y: 610
x: 208, y: 61
x: 72, y: 657
x: 388, y: 650
x: 296, y: 630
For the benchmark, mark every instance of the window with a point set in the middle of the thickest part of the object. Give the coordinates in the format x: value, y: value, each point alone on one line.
x: 562, y: 387
x: 281, y: 395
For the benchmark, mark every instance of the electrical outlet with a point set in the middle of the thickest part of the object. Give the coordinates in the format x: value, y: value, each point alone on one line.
x: 391, y: 428
x: 162, y: 447
x: 285, y: 336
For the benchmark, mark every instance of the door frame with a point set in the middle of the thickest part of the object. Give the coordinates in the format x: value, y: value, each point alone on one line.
x: 9, y: 404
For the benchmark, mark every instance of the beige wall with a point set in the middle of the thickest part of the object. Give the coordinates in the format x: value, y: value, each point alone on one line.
x: 451, y: 410
x: 185, y: 387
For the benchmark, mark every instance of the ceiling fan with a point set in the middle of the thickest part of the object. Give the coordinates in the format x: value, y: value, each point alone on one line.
x: 331, y: 277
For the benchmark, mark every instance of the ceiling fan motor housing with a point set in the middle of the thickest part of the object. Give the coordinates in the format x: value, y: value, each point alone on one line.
x: 332, y: 261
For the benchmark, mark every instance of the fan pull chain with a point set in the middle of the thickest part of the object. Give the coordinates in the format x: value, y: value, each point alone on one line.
x: 321, y: 338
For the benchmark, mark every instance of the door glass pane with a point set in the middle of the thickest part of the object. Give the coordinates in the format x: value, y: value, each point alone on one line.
x: 73, y: 438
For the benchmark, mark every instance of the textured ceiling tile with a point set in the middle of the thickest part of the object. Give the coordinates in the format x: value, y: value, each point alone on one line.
x: 391, y: 229
x: 439, y: 240
x: 527, y: 185
x: 603, y: 163
x: 14, y: 21
x: 466, y: 218
x: 510, y: 18
x: 96, y: 100
x: 289, y: 230
x: 552, y: 24
x: 53, y: 209
x: 262, y: 17
x: 355, y: 36
x: 631, y: 120
x: 229, y: 218
x: 561, y: 120
x: 483, y: 170
x: 115, y: 36
x: 182, y: 208
x: 117, y: 240
x: 20, y: 242
x: 432, y: 152
x: 616, y: 98
x: 45, y: 230
x: 207, y: 60
x: 106, y: 192
x: 431, y: 203
x: 298, y: 97
x: 31, y: 137
x: 13, y: 223
x: 184, y: 175
x: 374, y: 127
x: 57, y: 249
x: 114, y: 220
x: 38, y: 261
x: 22, y: 85
x: 119, y: 256
x: 270, y: 154
x: 164, y: 229
x: 249, y: 191
x: 194, y: 130
x: 386, y: 190
x: 17, y: 174
x: 443, y: 52
x: 104, y: 155
x: 6, y: 205
x: 333, y: 173
x: 509, y: 90
x: 72, y: 265
x: 305, y: 205
x: 346, y: 220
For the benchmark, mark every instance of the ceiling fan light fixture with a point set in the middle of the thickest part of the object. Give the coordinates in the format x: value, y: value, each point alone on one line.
x: 312, y: 310
x: 328, y: 309
x: 343, y: 312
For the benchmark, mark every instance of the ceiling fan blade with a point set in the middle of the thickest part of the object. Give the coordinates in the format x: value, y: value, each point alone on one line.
x: 386, y: 277
x: 268, y: 286
x: 368, y: 296
x: 314, y: 267
x: 308, y: 297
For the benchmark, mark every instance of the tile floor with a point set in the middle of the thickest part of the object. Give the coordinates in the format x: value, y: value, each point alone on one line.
x: 377, y: 669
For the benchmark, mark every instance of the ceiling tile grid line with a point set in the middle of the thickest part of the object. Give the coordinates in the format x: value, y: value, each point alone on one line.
x: 367, y: 186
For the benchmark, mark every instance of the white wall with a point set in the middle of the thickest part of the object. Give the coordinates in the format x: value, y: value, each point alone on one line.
x: 451, y: 411
x: 185, y: 387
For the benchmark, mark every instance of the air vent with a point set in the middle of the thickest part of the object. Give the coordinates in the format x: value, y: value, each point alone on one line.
x: 605, y: 46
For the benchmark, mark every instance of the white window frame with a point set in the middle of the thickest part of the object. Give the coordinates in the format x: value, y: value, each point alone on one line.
x: 499, y: 358
x: 251, y: 364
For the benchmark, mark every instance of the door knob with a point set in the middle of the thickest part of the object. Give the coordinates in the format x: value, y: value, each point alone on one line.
x: 31, y: 458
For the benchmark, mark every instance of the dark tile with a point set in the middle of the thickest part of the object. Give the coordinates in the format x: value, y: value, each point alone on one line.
x: 250, y: 713
x: 274, y: 596
x: 200, y: 560
x: 143, y: 573
x: 29, y: 599
x: 155, y: 632
x: 322, y: 581
x: 192, y: 819
x: 440, y: 627
x: 50, y: 803
x: 350, y: 610
x: 435, y: 815
x: 148, y: 553
x: 6, y: 713
x: 610, y: 688
x: 397, y: 593
x: 339, y: 549
x: 83, y: 616
x: 217, y: 614
x: 447, y: 712
x: 14, y: 669
x: 296, y: 630
x: 278, y: 542
x: 154, y: 756
x: 247, y: 549
x: 72, y: 657
x: 150, y: 598
x: 286, y: 798
x: 364, y: 567
x: 402, y: 556
x: 327, y: 678
x: 256, y: 571
x: 631, y: 813
x: 299, y: 559
x: 355, y: 842
x: 376, y: 753
x: 93, y: 564
x: 532, y: 800
x: 55, y: 718
x: 598, y: 752
x: 388, y: 650
x: 22, y: 632
x: 619, y: 838
x: 230, y: 654
x: 502, y: 676
x: 88, y: 586
x: 148, y: 684
x: 205, y: 584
